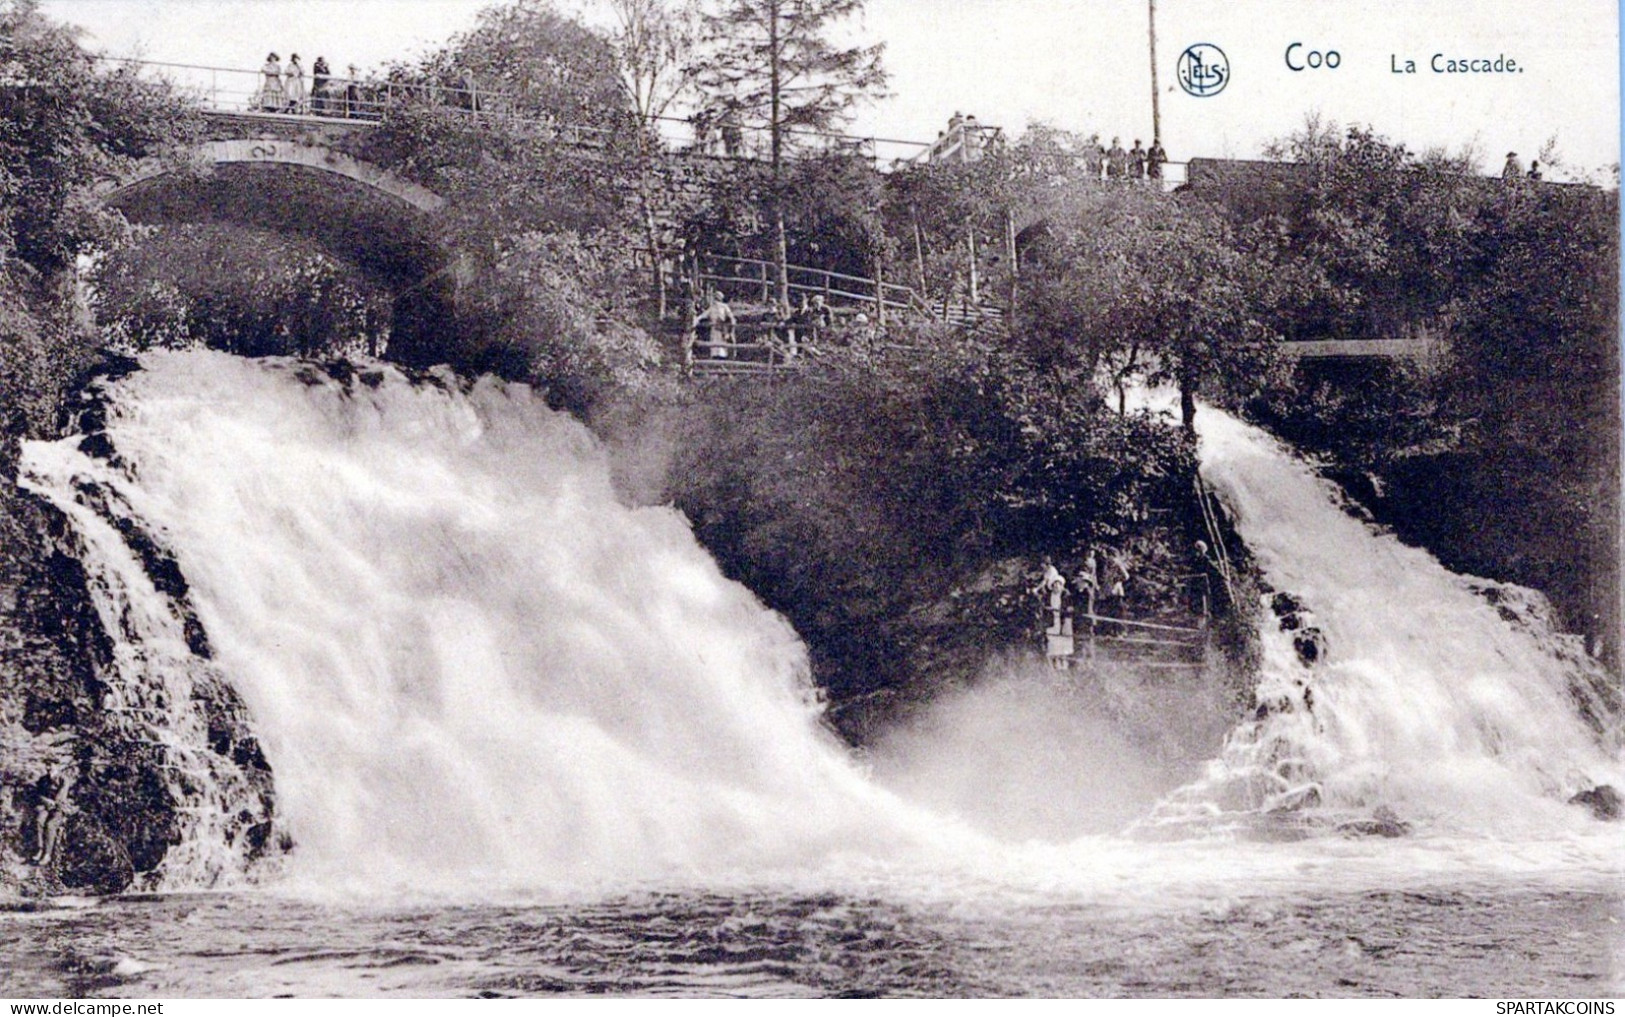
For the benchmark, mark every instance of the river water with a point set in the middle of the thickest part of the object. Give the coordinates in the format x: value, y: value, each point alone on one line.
x: 528, y: 740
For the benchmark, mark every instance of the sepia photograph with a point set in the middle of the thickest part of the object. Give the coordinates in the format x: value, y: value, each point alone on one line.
x: 965, y: 499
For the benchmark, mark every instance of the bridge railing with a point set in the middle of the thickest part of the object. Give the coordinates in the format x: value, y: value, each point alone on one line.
x: 708, y: 135
x: 366, y: 99
x: 356, y: 100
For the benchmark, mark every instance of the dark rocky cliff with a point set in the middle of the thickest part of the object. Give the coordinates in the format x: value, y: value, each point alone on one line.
x: 95, y: 796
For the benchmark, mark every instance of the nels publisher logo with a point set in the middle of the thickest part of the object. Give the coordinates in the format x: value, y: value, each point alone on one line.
x: 1203, y: 70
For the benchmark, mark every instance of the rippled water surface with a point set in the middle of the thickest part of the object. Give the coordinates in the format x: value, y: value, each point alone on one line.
x: 1461, y: 941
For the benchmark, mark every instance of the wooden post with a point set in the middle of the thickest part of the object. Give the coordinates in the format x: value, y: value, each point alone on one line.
x: 975, y: 278
x: 919, y: 253
x: 880, y: 291
x: 1010, y: 252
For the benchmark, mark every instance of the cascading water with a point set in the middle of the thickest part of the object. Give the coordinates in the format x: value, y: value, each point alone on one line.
x: 470, y: 665
x: 1427, y: 697
x: 592, y: 764
x: 464, y: 656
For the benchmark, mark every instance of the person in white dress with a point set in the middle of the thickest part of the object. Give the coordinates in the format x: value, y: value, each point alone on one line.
x: 294, y: 79
x: 271, y: 96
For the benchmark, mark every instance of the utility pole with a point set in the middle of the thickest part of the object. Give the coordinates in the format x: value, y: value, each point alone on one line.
x: 1156, y: 110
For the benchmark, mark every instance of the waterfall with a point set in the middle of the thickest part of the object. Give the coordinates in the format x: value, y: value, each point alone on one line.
x: 1391, y: 686
x: 463, y: 655
x: 469, y: 664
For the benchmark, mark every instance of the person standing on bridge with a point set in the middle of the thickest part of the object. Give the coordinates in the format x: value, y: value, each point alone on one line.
x: 320, y: 75
x: 733, y: 136
x: 701, y: 122
x: 1513, y: 168
x: 1116, y: 161
x: 294, y: 80
x: 271, y: 97
x: 1094, y: 158
x: 352, y: 94
x: 1087, y: 581
x: 1136, y: 161
x: 820, y: 317
x: 1155, y: 158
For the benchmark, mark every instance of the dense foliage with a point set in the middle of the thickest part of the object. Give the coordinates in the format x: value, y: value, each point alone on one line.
x: 1152, y: 288
x: 855, y: 499
x: 1501, y: 452
x: 236, y: 289
x: 775, y: 65
x: 68, y: 124
x: 561, y: 314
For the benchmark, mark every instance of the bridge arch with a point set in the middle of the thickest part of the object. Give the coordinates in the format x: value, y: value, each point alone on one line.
x: 384, y: 225
x: 286, y: 152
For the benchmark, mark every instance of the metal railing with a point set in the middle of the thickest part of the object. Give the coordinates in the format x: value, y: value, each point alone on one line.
x: 355, y: 101
x: 361, y: 99
x: 1080, y: 630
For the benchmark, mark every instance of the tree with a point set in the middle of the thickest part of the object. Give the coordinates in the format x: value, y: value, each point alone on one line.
x: 69, y: 124
x: 654, y: 42
x: 774, y: 60
x: 949, y: 215
x: 1149, y: 286
x: 1372, y: 233
x: 548, y: 64
x: 558, y: 311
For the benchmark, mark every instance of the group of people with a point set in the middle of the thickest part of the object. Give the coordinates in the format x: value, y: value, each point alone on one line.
x: 1137, y: 163
x: 965, y: 140
x: 1096, y: 583
x: 712, y: 127
x: 282, y: 90
x: 789, y: 327
x: 1513, y: 170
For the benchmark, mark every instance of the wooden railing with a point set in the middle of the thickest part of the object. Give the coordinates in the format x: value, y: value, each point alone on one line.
x: 751, y: 349
x: 755, y: 279
x: 1080, y: 631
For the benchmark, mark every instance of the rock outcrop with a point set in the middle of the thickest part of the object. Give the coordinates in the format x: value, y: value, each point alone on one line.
x: 96, y: 796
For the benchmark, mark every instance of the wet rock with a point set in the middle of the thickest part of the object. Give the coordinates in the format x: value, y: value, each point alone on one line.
x: 1603, y: 801
x: 89, y: 801
x: 48, y: 713
x: 1383, y: 823
x: 132, y: 804
x: 89, y: 859
x: 1310, y: 644
x: 1286, y: 607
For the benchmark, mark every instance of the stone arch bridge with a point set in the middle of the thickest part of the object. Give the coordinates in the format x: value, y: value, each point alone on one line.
x: 299, y: 182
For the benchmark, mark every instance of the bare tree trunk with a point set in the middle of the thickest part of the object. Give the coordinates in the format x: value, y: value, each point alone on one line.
x: 1010, y: 253
x: 919, y: 252
x: 975, y: 277
x: 781, y: 244
x: 1187, y: 402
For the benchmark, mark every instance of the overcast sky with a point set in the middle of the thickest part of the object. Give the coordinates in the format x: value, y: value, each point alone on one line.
x: 1081, y: 64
